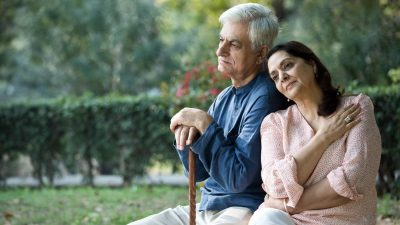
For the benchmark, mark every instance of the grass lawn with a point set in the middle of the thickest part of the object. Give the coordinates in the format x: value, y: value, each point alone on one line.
x: 86, y: 206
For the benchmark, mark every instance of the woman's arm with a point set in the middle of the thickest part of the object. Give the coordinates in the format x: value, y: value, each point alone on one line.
x: 357, y: 172
x: 332, y: 129
x: 284, y: 175
x: 318, y: 196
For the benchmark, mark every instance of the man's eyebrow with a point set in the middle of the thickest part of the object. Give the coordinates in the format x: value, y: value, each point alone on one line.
x: 233, y: 39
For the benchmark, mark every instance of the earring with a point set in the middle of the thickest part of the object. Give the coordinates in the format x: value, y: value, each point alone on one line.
x: 288, y: 100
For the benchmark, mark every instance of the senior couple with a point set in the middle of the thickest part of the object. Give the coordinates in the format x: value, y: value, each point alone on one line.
x: 281, y: 145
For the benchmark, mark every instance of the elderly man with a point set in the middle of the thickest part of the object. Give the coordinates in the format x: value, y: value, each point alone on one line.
x: 226, y: 139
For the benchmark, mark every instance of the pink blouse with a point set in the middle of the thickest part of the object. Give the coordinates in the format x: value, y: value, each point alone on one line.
x: 350, y: 164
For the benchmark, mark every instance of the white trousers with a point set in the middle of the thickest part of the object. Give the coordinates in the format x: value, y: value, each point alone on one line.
x: 270, y: 216
x: 180, y: 216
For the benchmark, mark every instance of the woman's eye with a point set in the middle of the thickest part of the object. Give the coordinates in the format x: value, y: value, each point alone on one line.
x: 274, y: 77
x: 287, y: 66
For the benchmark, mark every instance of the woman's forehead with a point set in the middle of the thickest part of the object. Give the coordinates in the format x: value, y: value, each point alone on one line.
x: 278, y: 57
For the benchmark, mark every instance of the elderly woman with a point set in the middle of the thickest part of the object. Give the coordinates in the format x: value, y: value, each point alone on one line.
x: 320, y: 157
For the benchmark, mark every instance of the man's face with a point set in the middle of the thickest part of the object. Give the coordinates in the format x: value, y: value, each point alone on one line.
x: 236, y: 57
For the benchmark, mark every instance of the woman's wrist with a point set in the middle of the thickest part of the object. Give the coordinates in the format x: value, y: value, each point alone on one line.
x: 284, y: 205
x: 323, y: 139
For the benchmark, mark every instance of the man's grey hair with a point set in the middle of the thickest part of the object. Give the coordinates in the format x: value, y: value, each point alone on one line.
x: 262, y: 22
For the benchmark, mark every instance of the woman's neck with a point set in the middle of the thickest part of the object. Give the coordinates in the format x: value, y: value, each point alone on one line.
x: 308, y: 107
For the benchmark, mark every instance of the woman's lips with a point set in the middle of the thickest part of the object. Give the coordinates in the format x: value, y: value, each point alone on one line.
x: 289, y: 85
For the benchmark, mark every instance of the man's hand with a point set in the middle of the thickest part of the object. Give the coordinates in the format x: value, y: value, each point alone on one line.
x: 185, y: 135
x: 191, y: 117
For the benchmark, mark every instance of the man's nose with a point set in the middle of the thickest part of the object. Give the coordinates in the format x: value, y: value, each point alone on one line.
x: 222, y: 49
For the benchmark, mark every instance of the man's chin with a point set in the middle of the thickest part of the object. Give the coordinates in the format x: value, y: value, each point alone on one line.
x: 223, y: 70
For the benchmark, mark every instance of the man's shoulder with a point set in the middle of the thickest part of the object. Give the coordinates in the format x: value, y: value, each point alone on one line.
x: 264, y: 86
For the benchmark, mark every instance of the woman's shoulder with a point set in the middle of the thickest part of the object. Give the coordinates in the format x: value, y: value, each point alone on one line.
x: 362, y: 99
x: 280, y: 115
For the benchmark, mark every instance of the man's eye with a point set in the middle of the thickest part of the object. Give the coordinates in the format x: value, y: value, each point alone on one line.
x: 221, y: 39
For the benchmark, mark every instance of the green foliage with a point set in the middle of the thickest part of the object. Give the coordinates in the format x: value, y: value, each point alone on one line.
x: 358, y: 40
x: 60, y: 48
x: 72, y: 47
x: 124, y: 134
x: 387, y: 114
x: 198, y: 87
x: 388, y: 207
x: 110, y: 206
x: 86, y: 206
x: 394, y: 75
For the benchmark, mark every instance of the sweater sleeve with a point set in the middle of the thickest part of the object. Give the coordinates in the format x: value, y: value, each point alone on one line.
x: 234, y: 161
x: 279, y: 170
x: 361, y: 161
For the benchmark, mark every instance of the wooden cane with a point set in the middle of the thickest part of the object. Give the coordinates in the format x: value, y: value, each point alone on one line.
x: 192, y: 188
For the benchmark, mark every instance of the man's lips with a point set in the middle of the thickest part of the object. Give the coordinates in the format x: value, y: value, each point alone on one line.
x: 223, y: 61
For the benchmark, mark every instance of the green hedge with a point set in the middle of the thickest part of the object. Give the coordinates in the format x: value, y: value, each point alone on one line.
x: 123, y: 134
x: 126, y: 134
x: 387, y: 112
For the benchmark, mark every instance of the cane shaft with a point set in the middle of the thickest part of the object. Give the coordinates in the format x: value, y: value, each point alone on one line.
x: 192, y: 188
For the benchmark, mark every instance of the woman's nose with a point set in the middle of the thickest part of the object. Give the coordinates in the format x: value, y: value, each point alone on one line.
x: 284, y: 77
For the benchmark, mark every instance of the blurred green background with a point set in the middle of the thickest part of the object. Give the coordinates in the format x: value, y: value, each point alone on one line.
x: 59, y: 48
x: 89, y: 86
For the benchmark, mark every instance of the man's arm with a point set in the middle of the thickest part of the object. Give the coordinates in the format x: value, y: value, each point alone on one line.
x: 234, y: 161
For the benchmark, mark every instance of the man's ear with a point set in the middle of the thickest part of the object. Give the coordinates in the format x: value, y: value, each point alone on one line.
x: 262, y: 54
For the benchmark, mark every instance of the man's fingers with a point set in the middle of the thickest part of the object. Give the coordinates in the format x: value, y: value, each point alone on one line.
x: 177, y: 137
x: 183, y: 136
x: 192, y: 134
x: 174, y: 123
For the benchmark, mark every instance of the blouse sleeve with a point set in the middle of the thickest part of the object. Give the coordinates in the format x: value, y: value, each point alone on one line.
x: 362, y: 157
x: 279, y: 171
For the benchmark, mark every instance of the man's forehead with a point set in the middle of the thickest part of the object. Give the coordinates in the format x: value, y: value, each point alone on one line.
x: 236, y: 31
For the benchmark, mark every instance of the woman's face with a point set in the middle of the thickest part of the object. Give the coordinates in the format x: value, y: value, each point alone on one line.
x: 293, y: 76
x: 236, y: 58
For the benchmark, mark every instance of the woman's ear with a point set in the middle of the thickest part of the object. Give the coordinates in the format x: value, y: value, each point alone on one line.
x: 314, y: 65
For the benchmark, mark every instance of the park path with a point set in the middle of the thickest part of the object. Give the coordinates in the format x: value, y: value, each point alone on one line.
x: 101, y: 180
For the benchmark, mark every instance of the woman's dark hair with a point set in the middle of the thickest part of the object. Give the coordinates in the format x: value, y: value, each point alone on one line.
x: 331, y: 95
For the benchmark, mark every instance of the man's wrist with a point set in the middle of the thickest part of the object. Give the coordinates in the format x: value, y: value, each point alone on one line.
x: 203, y: 124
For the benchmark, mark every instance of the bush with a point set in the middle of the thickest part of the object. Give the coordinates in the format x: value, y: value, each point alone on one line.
x: 198, y: 87
x: 387, y: 113
x: 123, y: 134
